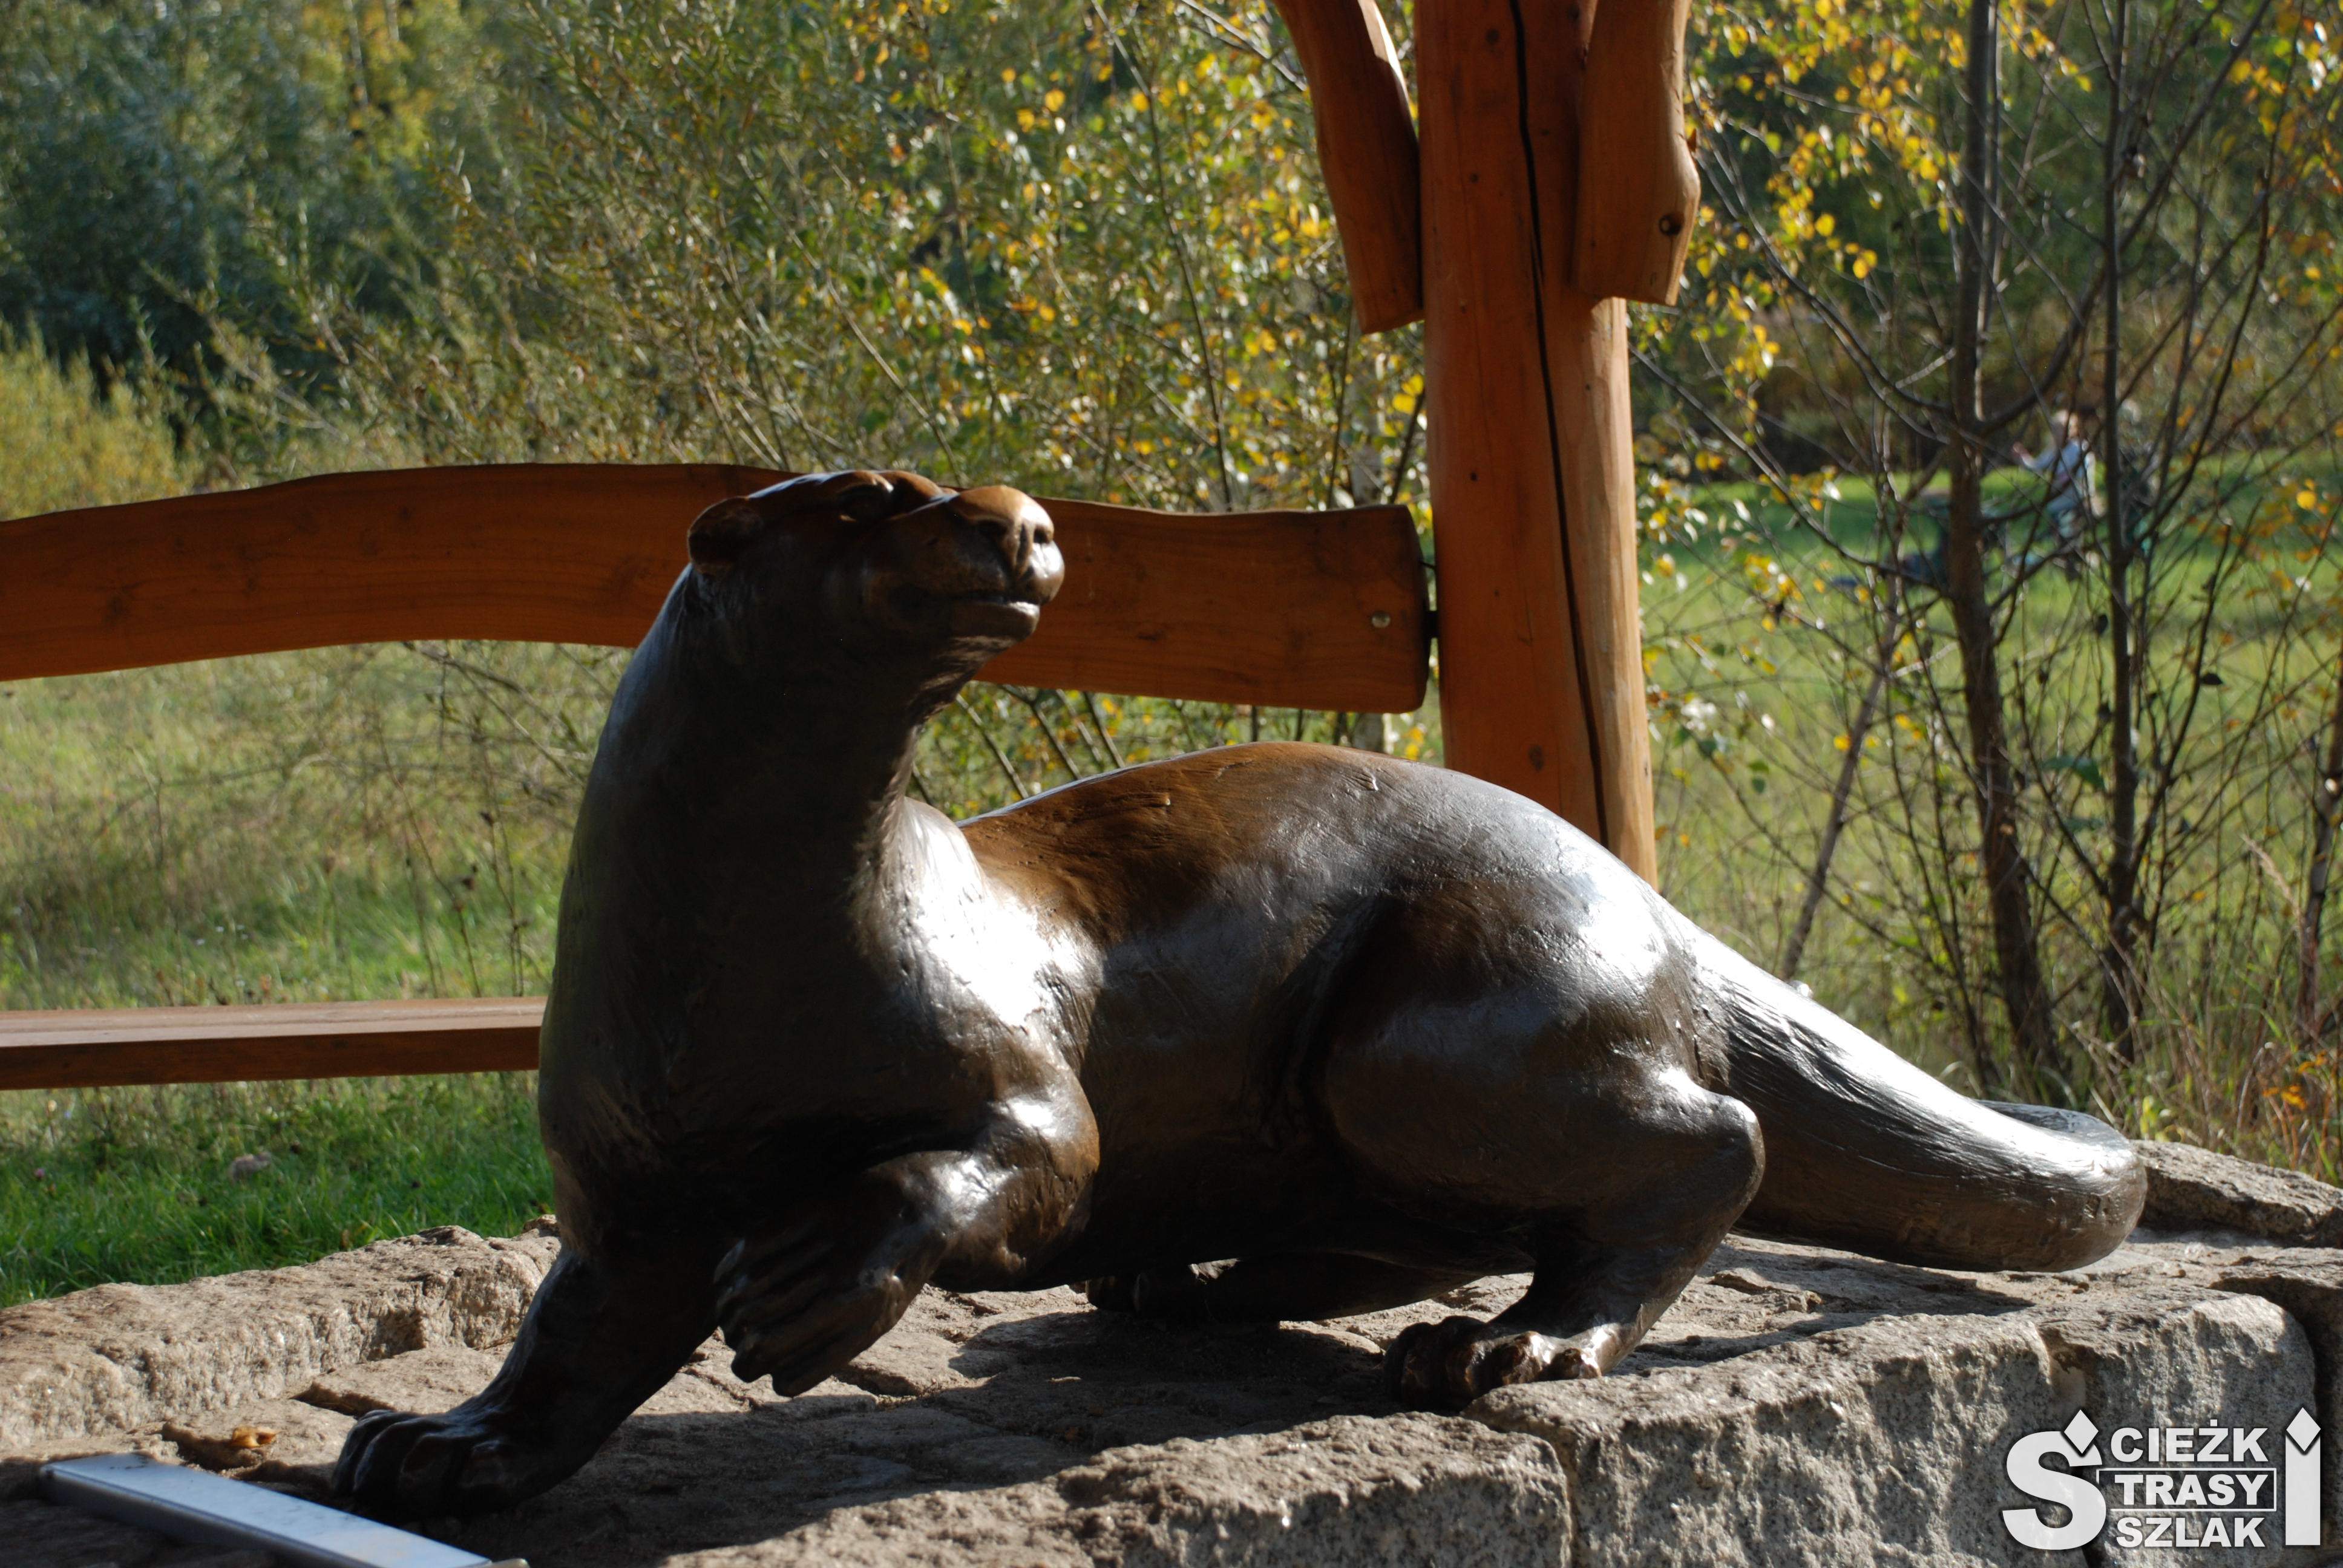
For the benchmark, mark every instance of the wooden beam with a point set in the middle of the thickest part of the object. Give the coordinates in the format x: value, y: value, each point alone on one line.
x: 1533, y: 477
x: 1366, y: 151
x: 226, y: 1044
x: 1638, y: 190
x: 1290, y: 609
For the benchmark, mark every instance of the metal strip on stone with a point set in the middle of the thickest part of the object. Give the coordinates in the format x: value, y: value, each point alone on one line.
x: 187, y: 1504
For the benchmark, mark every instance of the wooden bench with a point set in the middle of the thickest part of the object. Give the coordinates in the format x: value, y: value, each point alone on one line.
x: 1516, y: 245
x: 1287, y: 610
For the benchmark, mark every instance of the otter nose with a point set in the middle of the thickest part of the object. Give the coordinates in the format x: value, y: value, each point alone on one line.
x: 1011, y: 519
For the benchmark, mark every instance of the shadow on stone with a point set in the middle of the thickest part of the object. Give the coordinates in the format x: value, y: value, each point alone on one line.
x: 1797, y: 1405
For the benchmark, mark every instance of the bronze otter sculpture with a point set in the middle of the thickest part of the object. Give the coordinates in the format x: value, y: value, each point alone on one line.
x: 1369, y: 1029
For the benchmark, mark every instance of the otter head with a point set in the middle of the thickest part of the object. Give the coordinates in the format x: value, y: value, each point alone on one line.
x: 890, y: 569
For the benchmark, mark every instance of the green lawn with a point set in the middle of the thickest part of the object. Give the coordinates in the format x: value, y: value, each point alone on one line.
x: 135, y: 1184
x: 344, y: 824
x: 388, y: 822
x: 1745, y: 634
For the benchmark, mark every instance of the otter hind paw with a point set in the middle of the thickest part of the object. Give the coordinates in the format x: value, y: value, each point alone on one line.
x: 1449, y: 1364
x: 1172, y: 1292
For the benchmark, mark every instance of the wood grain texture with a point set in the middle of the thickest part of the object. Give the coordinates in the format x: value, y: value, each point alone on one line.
x: 1638, y: 190
x: 1293, y: 610
x: 1366, y: 151
x: 226, y: 1044
x: 1542, y: 679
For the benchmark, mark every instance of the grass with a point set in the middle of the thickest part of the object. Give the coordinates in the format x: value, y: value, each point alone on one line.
x: 392, y: 821
x: 348, y: 823
x: 1755, y: 733
x: 1850, y: 509
x: 298, y: 826
x: 137, y: 1184
x: 295, y: 827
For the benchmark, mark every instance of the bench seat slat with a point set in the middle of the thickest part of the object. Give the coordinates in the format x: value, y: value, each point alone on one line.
x: 84, y: 1048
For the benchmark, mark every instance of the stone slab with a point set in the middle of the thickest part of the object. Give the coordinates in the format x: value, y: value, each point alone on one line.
x: 1797, y: 1406
x: 118, y: 1357
x: 2192, y: 1189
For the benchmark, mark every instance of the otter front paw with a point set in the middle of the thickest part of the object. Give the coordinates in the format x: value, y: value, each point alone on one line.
x: 473, y: 1459
x: 1449, y: 1364
x: 1112, y: 1292
x: 798, y: 1302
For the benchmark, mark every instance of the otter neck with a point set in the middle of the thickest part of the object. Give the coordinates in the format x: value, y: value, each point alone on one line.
x: 804, y: 783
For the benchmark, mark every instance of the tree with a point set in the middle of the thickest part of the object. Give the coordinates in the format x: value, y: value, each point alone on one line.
x: 1935, y: 231
x: 160, y: 162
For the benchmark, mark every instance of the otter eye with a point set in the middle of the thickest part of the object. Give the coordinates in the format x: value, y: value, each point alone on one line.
x: 872, y: 506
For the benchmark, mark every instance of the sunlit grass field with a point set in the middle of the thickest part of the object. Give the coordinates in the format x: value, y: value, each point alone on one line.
x: 138, y: 1185
x: 392, y: 821
x: 295, y: 828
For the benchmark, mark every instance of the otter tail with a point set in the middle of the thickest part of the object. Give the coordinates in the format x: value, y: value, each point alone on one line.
x: 1865, y: 1151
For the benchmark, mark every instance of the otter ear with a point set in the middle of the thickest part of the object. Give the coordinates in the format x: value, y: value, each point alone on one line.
x: 910, y: 489
x: 720, y: 532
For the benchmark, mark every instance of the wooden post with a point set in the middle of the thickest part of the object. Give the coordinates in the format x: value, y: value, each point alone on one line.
x: 1525, y: 387
x: 1366, y: 151
x: 1638, y: 192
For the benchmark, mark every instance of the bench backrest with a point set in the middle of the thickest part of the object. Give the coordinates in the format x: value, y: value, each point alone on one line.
x: 1290, y: 609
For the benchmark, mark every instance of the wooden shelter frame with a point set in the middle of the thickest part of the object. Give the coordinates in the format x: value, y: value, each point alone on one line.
x: 1544, y: 183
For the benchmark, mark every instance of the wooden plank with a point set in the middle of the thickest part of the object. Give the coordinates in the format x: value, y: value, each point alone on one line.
x: 1288, y: 609
x: 1366, y: 151
x: 1638, y: 190
x: 1294, y: 610
x: 1533, y: 498
x: 224, y: 1044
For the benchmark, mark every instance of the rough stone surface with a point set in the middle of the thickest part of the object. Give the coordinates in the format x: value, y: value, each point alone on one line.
x: 67, y: 1540
x: 122, y: 1356
x: 2309, y: 1287
x: 2192, y: 1189
x: 1880, y: 1439
x: 1798, y: 1406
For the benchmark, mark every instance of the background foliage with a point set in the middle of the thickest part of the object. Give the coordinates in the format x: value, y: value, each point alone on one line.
x: 1084, y: 248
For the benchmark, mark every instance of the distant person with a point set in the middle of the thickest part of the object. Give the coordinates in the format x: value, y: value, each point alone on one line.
x: 2067, y: 503
x: 2072, y: 474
